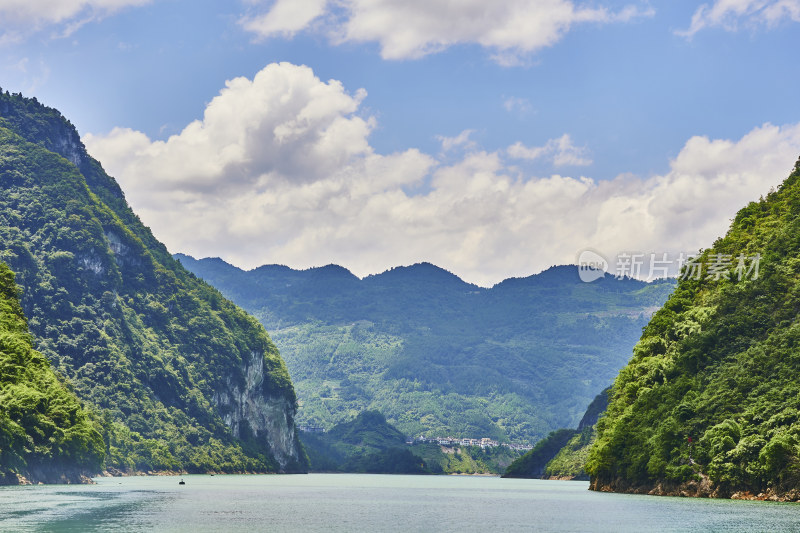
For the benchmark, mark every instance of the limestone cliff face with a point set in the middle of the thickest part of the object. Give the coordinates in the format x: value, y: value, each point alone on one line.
x: 248, y: 407
x: 69, y: 146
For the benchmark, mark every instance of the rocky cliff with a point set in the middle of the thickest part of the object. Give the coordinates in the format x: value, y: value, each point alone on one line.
x: 182, y: 378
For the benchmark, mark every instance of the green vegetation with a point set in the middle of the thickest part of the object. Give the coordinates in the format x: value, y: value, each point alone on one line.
x: 45, y: 433
x: 711, y: 396
x: 368, y: 443
x: 570, y: 461
x: 465, y: 459
x: 534, y: 462
x: 368, y: 430
x: 439, y: 356
x: 161, y: 356
x: 563, y: 453
x: 391, y: 461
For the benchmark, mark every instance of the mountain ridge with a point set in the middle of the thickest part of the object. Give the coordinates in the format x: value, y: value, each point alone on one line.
x: 412, y: 340
x: 563, y: 272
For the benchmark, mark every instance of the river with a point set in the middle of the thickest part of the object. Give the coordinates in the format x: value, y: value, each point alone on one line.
x: 353, y: 502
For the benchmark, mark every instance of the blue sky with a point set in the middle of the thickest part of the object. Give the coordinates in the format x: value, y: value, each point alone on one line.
x: 493, y: 141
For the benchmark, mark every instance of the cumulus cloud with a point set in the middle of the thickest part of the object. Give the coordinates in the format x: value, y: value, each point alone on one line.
x: 285, y: 124
x: 280, y: 170
x: 730, y: 14
x: 285, y: 17
x: 561, y: 151
x: 19, y: 18
x: 407, y: 29
x: 693, y: 204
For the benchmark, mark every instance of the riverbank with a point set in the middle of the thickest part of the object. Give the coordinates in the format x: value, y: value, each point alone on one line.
x: 85, y: 478
x: 45, y: 478
x: 703, y: 488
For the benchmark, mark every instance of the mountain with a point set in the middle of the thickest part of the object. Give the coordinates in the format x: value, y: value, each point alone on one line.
x: 439, y: 356
x: 366, y: 444
x: 709, y: 404
x: 563, y: 453
x: 533, y: 464
x: 45, y: 433
x: 570, y: 461
x: 181, y: 377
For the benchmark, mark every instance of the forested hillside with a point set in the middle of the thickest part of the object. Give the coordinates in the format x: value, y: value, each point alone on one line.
x: 365, y: 444
x: 182, y: 378
x: 439, y: 356
x: 45, y: 433
x: 710, y: 402
x: 368, y: 443
x: 564, y: 452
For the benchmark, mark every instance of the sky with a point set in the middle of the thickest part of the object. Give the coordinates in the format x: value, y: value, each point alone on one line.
x: 493, y: 139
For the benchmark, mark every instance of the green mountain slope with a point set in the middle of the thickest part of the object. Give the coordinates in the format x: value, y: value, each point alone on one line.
x: 439, y: 356
x: 184, y: 379
x: 534, y: 463
x: 570, y: 461
x: 710, y: 402
x: 367, y: 444
x: 45, y: 433
x: 563, y: 453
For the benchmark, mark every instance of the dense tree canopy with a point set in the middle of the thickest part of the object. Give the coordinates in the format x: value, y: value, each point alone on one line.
x: 563, y: 453
x: 45, y: 433
x: 712, y: 390
x: 156, y: 351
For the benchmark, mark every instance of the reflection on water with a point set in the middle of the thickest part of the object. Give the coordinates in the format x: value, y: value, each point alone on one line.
x: 79, y: 507
x: 342, y: 502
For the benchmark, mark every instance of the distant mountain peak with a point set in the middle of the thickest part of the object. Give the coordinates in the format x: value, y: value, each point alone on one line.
x: 424, y: 272
x: 332, y: 270
x: 557, y: 274
x: 416, y: 337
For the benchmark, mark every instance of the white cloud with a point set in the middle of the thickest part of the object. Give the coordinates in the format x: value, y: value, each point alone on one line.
x: 407, y: 29
x: 729, y: 14
x: 692, y: 205
x: 461, y: 140
x: 561, y: 151
x: 285, y: 124
x: 285, y: 17
x: 280, y: 170
x: 19, y: 18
